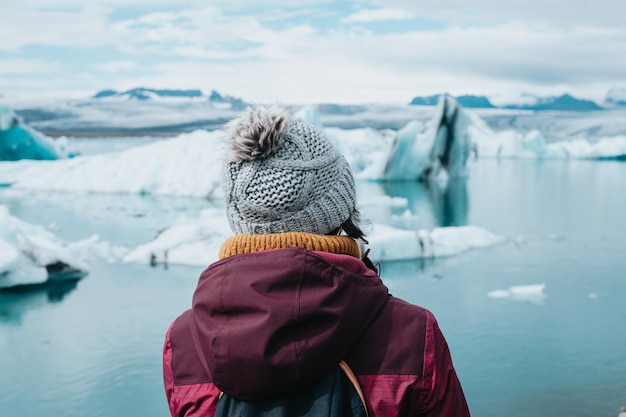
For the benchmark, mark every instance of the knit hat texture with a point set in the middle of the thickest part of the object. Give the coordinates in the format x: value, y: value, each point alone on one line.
x: 284, y: 175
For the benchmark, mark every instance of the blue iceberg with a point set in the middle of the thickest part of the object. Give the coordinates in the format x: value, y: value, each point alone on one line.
x: 444, y: 146
x: 31, y: 255
x: 20, y: 141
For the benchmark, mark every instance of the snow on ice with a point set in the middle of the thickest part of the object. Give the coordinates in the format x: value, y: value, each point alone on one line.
x: 30, y: 254
x: 389, y: 243
x: 187, y: 165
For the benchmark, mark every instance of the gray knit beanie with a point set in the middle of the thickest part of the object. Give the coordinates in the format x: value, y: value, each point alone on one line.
x: 284, y: 175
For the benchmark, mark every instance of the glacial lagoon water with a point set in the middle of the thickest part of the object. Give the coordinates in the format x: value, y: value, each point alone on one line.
x: 93, y: 347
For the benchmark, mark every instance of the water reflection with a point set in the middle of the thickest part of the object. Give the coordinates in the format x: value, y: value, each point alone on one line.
x: 414, y: 205
x: 433, y: 204
x: 16, y: 301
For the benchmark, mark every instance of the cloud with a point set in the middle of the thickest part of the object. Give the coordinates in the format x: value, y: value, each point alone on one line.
x: 487, y: 12
x: 21, y: 26
x: 116, y: 66
x: 377, y: 15
x: 247, y: 54
x: 21, y: 66
x: 344, y: 66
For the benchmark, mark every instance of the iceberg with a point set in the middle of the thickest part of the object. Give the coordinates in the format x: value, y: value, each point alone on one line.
x: 30, y: 254
x: 191, y: 241
x: 197, y: 242
x: 444, y: 145
x: 310, y: 114
x: 188, y: 165
x: 533, y: 145
x: 390, y: 244
x: 20, y: 141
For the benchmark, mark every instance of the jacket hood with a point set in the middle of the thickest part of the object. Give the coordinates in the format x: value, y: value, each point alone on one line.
x: 272, y: 322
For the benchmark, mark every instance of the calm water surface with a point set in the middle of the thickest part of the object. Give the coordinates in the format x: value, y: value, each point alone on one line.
x: 93, y: 348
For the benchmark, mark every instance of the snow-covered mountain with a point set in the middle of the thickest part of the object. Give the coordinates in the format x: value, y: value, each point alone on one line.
x: 135, y: 112
x: 564, y: 102
x: 152, y: 94
x: 467, y: 101
x: 172, y: 112
x: 616, y: 97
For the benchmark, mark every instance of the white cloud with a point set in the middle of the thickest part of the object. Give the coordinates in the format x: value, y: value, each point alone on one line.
x: 248, y: 56
x: 377, y: 15
x: 553, y: 12
x: 21, y: 26
x: 342, y: 66
x: 20, y: 66
x: 116, y: 66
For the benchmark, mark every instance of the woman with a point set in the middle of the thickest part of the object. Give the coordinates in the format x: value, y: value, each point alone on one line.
x: 290, y: 297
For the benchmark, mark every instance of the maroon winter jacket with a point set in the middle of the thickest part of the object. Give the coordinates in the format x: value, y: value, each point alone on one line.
x: 271, y: 322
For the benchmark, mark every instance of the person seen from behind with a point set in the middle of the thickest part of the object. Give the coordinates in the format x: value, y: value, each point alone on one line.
x: 291, y: 295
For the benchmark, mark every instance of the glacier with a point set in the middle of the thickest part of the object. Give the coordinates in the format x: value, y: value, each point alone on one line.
x: 20, y: 141
x: 30, y: 254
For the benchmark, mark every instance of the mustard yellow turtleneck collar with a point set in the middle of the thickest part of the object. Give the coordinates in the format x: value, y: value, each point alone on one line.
x: 254, y: 243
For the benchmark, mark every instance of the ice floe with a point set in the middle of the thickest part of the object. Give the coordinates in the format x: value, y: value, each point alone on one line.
x: 30, y: 254
x: 388, y: 243
x: 197, y: 242
x: 187, y: 165
x: 19, y: 141
x: 533, y: 293
x: 191, y: 241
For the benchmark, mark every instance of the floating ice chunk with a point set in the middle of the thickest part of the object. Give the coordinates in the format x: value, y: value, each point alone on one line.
x: 94, y: 247
x: 522, y: 290
x: 19, y: 141
x: 30, y: 254
x: 511, y: 144
x: 384, y: 200
x: 310, y: 114
x: 9, y: 256
x: 189, y: 242
x: 197, y: 242
x: 388, y: 243
x: 405, y: 220
x: 499, y: 293
x: 533, y: 293
x: 366, y: 149
x: 444, y: 145
x: 189, y: 165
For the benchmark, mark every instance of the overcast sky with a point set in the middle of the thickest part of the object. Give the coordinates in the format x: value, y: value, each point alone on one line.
x: 314, y: 50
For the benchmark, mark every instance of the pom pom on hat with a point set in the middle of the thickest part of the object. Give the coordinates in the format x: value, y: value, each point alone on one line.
x: 258, y: 133
x: 284, y: 175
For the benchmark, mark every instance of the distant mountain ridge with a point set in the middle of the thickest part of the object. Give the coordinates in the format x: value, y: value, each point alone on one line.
x: 142, y: 93
x: 468, y: 101
x: 564, y: 102
x: 616, y: 97
x: 147, y: 94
